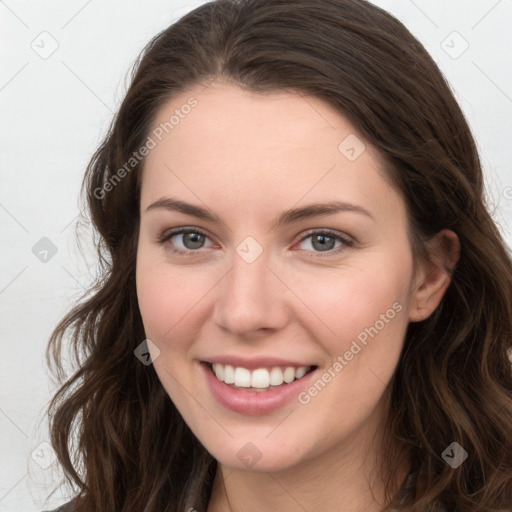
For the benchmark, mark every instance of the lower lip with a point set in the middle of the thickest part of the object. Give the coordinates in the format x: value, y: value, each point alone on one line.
x: 253, y: 403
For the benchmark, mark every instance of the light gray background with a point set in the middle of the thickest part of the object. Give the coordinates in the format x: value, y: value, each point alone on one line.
x: 55, y: 109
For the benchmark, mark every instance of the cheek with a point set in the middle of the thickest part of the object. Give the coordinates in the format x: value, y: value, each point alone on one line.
x: 171, y: 300
x: 164, y: 302
x: 365, y: 304
x: 360, y: 322
x: 160, y: 307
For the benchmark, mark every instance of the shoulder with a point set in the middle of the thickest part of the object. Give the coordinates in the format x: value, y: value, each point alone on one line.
x: 67, y: 507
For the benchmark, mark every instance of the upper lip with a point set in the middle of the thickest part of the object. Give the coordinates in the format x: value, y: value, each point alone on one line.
x: 254, y: 362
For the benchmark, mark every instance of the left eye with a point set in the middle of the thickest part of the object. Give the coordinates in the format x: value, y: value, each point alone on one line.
x: 322, y: 241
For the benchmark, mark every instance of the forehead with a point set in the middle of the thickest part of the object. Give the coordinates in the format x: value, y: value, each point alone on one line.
x: 261, y: 149
x: 277, y: 122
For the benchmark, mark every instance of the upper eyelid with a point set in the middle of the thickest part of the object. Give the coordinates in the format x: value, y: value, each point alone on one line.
x: 179, y: 231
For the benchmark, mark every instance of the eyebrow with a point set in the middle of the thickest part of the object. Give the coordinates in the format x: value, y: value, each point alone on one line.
x: 286, y: 217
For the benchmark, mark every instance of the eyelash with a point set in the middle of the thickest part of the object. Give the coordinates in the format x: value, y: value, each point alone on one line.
x: 347, y: 243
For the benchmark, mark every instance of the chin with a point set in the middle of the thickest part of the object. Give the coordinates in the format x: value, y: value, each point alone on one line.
x: 259, y: 453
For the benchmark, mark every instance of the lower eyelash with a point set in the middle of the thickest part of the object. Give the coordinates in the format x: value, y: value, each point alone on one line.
x: 346, y: 242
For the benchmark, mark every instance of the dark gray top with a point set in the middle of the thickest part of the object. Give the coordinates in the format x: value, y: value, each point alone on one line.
x: 67, y: 507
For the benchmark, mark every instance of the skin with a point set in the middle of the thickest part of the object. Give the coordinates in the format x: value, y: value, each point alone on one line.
x: 247, y: 157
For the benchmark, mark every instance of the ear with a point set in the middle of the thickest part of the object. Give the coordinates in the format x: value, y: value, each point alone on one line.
x: 433, y: 276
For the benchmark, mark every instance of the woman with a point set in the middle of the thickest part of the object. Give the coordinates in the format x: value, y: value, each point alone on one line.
x: 305, y: 304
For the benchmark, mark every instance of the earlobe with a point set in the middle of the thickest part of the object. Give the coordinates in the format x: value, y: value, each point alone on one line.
x: 434, y: 275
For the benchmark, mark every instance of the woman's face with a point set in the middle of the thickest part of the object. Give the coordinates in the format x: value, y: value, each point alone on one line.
x: 264, y: 281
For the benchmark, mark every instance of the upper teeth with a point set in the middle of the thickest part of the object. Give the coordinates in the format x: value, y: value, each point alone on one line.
x: 259, y: 378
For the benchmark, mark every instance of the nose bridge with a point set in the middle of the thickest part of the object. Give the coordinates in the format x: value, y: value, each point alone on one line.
x: 249, y: 298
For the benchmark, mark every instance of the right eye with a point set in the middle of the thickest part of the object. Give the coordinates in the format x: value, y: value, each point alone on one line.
x: 192, y: 239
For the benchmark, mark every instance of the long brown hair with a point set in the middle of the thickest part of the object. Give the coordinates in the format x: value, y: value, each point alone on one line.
x: 453, y: 382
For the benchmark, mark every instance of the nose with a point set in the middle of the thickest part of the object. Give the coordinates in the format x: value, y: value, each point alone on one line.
x: 251, y: 299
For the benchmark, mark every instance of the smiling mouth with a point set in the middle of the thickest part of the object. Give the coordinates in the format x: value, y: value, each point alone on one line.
x: 260, y: 379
